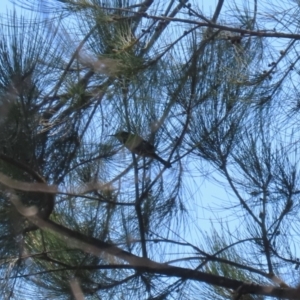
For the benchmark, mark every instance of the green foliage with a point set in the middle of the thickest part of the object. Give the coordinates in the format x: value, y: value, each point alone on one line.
x: 213, y: 96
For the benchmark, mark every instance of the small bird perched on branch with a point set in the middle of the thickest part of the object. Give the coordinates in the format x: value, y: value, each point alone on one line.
x: 139, y: 146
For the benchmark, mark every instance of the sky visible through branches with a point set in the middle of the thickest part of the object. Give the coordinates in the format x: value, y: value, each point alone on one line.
x: 203, y: 192
x: 211, y: 203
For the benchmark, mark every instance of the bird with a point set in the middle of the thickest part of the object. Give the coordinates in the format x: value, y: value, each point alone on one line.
x: 139, y: 146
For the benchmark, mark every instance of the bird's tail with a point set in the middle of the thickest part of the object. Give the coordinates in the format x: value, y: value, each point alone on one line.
x: 164, y: 162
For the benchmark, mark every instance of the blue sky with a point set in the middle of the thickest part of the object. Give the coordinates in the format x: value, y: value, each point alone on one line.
x: 4, y: 4
x: 201, y: 191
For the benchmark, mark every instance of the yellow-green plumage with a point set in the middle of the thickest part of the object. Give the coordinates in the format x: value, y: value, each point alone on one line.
x: 138, y: 145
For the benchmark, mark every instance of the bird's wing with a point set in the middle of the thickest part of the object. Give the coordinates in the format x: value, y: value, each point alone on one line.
x: 144, y: 149
x: 133, y: 142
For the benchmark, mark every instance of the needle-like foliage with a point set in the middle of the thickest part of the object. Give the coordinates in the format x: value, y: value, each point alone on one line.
x: 197, y: 198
